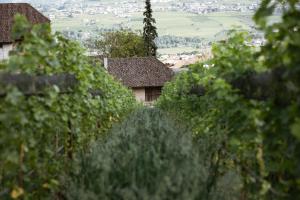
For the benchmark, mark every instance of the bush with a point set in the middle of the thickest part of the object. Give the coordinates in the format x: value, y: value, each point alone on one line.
x: 147, y: 157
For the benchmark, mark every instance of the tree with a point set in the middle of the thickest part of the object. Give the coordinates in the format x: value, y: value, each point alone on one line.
x: 121, y: 44
x: 150, y: 33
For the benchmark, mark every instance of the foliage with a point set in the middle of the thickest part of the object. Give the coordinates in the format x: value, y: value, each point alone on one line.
x: 169, y: 41
x: 281, y: 122
x: 121, y: 44
x: 149, y: 33
x: 39, y: 135
x: 259, y: 137
x: 148, y: 157
x: 221, y: 113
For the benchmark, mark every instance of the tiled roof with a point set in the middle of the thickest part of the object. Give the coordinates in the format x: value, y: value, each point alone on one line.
x: 7, y: 13
x: 140, y: 72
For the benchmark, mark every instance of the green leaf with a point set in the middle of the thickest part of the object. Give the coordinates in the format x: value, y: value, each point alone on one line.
x: 295, y: 128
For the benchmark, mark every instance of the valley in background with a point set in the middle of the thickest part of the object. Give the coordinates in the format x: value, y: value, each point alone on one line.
x: 185, y: 27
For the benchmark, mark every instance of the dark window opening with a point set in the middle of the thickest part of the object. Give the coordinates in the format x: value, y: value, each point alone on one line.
x: 152, y: 93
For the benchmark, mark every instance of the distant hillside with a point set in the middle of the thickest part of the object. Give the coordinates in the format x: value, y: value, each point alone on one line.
x: 183, y: 25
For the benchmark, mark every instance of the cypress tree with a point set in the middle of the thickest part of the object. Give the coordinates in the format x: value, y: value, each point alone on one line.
x: 149, y: 33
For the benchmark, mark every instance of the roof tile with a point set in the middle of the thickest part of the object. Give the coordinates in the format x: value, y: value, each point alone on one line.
x: 7, y: 13
x: 140, y: 72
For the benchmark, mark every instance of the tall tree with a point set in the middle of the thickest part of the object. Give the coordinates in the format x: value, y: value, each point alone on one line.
x: 149, y: 33
x: 120, y: 44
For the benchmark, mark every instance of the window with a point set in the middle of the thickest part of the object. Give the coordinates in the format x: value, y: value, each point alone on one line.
x: 152, y: 93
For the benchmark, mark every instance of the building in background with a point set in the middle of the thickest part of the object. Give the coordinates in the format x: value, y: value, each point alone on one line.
x: 7, y: 13
x: 145, y: 76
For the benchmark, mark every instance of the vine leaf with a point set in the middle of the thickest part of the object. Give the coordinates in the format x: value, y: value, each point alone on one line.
x: 295, y: 129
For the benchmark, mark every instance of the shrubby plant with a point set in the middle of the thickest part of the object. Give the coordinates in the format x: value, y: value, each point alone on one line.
x: 221, y: 114
x: 39, y: 135
x: 148, y: 156
x: 260, y: 139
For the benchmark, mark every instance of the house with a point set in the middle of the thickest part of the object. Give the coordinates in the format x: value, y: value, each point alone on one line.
x: 7, y: 13
x: 145, y: 76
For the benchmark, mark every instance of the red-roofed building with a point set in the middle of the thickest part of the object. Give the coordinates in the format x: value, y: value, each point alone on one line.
x: 145, y: 76
x: 7, y: 13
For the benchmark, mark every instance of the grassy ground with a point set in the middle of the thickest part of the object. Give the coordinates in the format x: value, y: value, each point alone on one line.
x: 176, y: 50
x: 209, y: 26
x: 168, y: 23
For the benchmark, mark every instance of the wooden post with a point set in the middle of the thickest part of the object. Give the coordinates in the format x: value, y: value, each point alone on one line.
x: 70, y: 141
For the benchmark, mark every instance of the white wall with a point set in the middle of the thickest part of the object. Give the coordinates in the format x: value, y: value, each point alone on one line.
x: 140, y: 94
x: 4, y: 51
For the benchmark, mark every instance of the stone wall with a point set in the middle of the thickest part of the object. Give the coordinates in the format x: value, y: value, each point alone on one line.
x: 140, y: 94
x: 4, y: 51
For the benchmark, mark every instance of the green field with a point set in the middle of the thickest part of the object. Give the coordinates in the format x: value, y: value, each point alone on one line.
x: 209, y: 26
x: 168, y: 23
